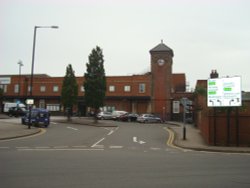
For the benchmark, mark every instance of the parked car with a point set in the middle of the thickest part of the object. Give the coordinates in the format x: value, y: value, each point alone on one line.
x: 16, y: 111
x: 38, y: 116
x: 149, y: 118
x: 128, y: 117
x: 117, y: 114
x: 104, y: 115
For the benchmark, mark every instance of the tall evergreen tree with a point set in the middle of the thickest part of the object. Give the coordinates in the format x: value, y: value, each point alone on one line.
x: 95, y: 80
x: 69, y: 92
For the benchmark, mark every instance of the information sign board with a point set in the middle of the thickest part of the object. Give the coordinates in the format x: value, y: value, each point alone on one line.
x: 224, y: 92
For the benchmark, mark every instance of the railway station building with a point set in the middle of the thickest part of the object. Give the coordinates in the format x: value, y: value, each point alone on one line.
x: 158, y: 91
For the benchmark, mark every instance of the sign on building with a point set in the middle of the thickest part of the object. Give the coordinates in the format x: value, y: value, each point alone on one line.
x: 29, y: 101
x: 5, y: 80
x: 224, y: 92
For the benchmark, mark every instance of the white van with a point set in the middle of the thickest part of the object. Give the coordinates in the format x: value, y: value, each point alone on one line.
x: 8, y: 105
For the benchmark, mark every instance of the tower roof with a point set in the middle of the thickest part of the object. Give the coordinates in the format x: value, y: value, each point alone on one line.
x: 162, y: 48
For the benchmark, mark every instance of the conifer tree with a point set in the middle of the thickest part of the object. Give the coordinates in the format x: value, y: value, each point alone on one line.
x: 69, y: 92
x: 95, y: 80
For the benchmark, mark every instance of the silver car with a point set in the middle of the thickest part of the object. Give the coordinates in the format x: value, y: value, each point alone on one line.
x: 149, y: 118
x: 104, y: 115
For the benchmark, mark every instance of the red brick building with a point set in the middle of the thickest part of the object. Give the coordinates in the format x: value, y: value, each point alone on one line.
x: 219, y: 128
x: 153, y: 92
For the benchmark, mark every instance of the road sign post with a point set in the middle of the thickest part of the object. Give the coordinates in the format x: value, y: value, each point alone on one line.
x: 29, y: 102
x: 184, y: 104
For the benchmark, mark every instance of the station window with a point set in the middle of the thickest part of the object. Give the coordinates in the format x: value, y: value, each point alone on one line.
x: 127, y: 88
x: 142, y: 88
x: 55, y: 88
x: 43, y: 88
x: 16, y: 88
x: 53, y: 107
x: 4, y: 88
x: 111, y: 88
x: 82, y: 89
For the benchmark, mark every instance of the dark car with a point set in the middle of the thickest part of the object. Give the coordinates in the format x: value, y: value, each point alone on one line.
x: 116, y: 114
x: 16, y: 111
x: 128, y: 117
x: 38, y: 116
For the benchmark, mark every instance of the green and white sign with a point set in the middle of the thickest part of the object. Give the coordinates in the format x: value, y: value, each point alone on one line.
x: 224, y: 92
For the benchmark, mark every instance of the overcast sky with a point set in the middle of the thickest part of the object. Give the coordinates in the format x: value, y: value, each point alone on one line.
x: 204, y: 35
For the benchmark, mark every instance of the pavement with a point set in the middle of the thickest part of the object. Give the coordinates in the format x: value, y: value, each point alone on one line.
x: 193, y: 141
x: 12, y: 130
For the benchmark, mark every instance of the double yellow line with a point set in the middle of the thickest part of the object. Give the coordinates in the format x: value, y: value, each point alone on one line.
x: 170, y: 141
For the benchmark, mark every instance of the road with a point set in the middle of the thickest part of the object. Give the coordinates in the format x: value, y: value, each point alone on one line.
x: 130, y: 155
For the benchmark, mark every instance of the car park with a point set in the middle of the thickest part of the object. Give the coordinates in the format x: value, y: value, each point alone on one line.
x: 104, y: 115
x: 149, y: 118
x: 38, y: 116
x: 128, y: 117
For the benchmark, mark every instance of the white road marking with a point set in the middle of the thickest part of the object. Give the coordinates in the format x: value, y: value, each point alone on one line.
x: 96, y: 144
x: 79, y: 146
x: 22, y: 147
x: 60, y: 149
x: 136, y: 141
x: 42, y: 147
x: 141, y: 142
x: 3, y: 147
x: 111, y: 132
x: 115, y: 147
x: 72, y: 128
x: 155, y: 149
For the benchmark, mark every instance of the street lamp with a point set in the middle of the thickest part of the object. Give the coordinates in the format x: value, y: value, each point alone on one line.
x: 33, y: 60
x: 20, y: 63
x: 33, y: 53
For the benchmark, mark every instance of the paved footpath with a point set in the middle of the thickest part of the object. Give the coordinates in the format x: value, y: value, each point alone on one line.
x: 15, y: 130
x: 195, y: 141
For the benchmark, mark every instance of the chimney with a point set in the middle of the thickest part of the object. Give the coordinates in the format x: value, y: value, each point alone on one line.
x: 214, y: 74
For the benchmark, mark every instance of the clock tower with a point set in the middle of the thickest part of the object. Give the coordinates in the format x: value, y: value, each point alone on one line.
x: 161, y: 86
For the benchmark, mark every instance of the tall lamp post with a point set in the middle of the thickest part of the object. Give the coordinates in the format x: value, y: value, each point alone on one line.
x: 20, y: 63
x: 33, y: 61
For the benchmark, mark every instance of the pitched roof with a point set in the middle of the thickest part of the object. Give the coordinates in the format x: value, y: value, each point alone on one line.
x: 162, y: 48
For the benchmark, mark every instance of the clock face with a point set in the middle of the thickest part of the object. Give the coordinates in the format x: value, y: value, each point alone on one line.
x: 160, y: 62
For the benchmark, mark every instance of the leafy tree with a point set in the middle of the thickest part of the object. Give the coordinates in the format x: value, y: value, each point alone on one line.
x: 69, y: 92
x: 95, y: 81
